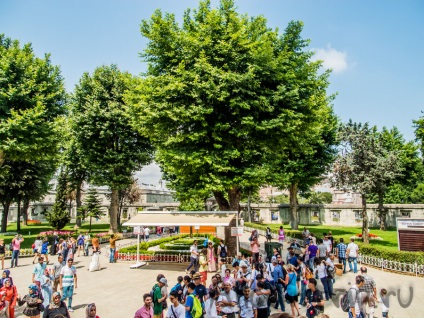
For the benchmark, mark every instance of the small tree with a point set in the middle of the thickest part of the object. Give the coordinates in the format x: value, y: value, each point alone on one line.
x: 92, y: 206
x: 58, y: 217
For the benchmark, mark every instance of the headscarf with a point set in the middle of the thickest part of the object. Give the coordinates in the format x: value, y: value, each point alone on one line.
x: 7, y: 272
x: 53, y: 305
x: 88, y: 309
x: 34, y: 289
x: 2, y: 302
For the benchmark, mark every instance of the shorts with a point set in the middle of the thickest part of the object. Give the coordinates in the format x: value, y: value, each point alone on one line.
x: 2, y: 256
x: 204, y: 276
x: 385, y: 314
x: 291, y: 299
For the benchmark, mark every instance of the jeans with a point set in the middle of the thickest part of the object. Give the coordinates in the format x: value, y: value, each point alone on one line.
x: 326, y: 283
x: 193, y: 263
x: 68, y: 291
x: 86, y: 249
x: 302, y: 292
x: 350, y: 260
x: 112, y: 255
x: 280, y: 297
x: 343, y: 261
x: 15, y: 256
x: 361, y: 315
x: 311, y: 262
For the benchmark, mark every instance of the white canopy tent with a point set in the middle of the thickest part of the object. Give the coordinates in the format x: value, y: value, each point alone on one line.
x: 180, y: 218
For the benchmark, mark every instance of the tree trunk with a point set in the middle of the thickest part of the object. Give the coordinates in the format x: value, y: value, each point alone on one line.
x: 365, y: 232
x: 293, y: 206
x: 18, y: 217
x: 249, y: 210
x: 382, y: 212
x: 6, y: 206
x: 25, y: 208
x: 114, y: 206
x: 90, y: 225
x: 234, y: 195
x: 78, y: 201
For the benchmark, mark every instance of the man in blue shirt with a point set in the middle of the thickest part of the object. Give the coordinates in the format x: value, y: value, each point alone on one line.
x: 189, y: 300
x: 341, y: 253
x: 279, y: 276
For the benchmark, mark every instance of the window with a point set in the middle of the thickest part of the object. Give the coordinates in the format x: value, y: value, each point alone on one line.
x: 315, y: 216
x: 405, y: 214
x: 358, y: 215
x: 274, y: 215
x: 335, y: 214
x: 125, y: 213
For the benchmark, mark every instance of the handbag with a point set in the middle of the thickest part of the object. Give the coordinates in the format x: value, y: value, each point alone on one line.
x: 41, y: 307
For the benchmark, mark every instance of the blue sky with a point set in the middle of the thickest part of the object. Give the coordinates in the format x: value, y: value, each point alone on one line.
x: 375, y: 48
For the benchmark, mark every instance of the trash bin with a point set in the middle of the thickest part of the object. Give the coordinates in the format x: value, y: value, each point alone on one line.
x: 269, y: 249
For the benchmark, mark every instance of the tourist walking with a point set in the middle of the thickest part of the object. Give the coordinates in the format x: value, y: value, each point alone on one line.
x: 80, y: 244
x: 16, y: 247
x: 194, y: 254
x: 57, y: 268
x: 341, y: 253
x: 211, y: 257
x: 352, y: 254
x: 46, y: 287
x: 385, y: 304
x: 268, y: 234
x: 56, y: 307
x: 176, y: 310
x: 260, y: 299
x: 45, y: 250
x: 36, y: 249
x: 305, y: 235
x: 246, y: 304
x: 203, y: 265
x: 292, y: 291
x: 112, y: 247
x: 147, y: 310
x: 354, y: 299
x: 146, y: 233
x: 254, y: 245
x: 5, y: 275
x: 370, y: 288
x: 2, y: 252
x: 314, y: 300
x: 228, y: 301
x: 86, y: 243
x: 68, y: 281
x: 38, y: 271
x: 33, y: 302
x: 322, y: 250
x: 211, y: 305
x: 11, y: 296
x: 281, y: 235
x: 321, y: 272
x: 280, y: 275
x: 4, y: 305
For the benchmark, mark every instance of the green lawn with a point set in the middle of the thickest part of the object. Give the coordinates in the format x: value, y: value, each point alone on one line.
x: 389, y: 237
x: 30, y: 232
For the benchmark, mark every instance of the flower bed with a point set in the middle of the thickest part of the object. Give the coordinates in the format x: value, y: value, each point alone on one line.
x: 59, y: 233
x: 370, y: 235
x: 32, y: 222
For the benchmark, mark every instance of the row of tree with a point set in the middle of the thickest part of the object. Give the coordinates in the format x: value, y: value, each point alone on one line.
x: 226, y: 106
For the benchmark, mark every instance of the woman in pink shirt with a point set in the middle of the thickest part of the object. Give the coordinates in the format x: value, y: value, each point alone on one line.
x: 228, y: 277
x: 281, y: 235
x: 254, y: 244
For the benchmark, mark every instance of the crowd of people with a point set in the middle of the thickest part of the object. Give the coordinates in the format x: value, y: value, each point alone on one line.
x: 50, y: 286
x: 246, y: 286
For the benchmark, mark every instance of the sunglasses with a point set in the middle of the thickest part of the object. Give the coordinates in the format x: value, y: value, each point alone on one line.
x: 171, y: 298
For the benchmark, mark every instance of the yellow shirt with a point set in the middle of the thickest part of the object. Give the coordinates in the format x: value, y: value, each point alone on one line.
x: 203, y: 263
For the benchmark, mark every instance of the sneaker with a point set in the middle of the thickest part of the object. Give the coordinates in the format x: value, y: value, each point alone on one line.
x: 70, y: 309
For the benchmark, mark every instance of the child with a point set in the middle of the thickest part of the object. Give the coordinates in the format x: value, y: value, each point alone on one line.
x: 384, y: 300
x: 178, y: 288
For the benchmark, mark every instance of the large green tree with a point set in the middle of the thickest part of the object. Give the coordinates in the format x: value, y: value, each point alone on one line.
x: 59, y: 216
x: 32, y: 96
x: 92, y: 206
x: 218, y: 88
x: 364, y: 165
x: 111, y: 149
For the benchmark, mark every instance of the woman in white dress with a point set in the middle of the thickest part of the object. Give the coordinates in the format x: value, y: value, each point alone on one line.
x: 95, y: 262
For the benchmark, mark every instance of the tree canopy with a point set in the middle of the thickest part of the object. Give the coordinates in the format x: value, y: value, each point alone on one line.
x: 111, y: 149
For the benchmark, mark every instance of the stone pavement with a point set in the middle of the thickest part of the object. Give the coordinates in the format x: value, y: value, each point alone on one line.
x: 117, y: 290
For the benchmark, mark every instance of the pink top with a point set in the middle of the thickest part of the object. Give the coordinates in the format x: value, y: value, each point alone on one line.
x: 255, y: 247
x: 16, y: 244
x: 281, y: 235
x: 143, y: 312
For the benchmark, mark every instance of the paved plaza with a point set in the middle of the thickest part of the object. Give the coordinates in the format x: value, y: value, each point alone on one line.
x: 117, y: 290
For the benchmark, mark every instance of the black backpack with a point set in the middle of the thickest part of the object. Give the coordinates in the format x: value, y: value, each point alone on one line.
x: 223, y: 252
x: 344, y: 301
x: 273, y: 297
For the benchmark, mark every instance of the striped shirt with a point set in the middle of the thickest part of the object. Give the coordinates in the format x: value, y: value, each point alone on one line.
x: 67, y: 274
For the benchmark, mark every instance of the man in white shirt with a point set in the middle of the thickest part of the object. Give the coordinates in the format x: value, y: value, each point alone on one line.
x: 194, y: 254
x: 352, y: 255
x: 305, y: 235
x: 146, y: 234
x: 228, y: 301
x: 327, y: 244
x: 176, y: 310
x: 210, y: 305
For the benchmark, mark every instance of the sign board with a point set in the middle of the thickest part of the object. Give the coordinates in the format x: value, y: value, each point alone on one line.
x: 411, y: 224
x: 236, y: 231
x: 410, y: 234
x: 197, y: 227
x: 137, y: 229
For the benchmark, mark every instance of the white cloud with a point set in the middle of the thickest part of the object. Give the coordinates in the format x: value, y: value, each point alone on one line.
x: 336, y: 60
x: 150, y: 174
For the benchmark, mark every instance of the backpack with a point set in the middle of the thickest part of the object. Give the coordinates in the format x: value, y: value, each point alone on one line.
x: 239, y: 286
x: 344, y: 301
x: 274, y: 295
x: 205, y: 243
x: 223, y: 252
x: 177, y: 288
x: 196, y: 310
x: 152, y: 292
